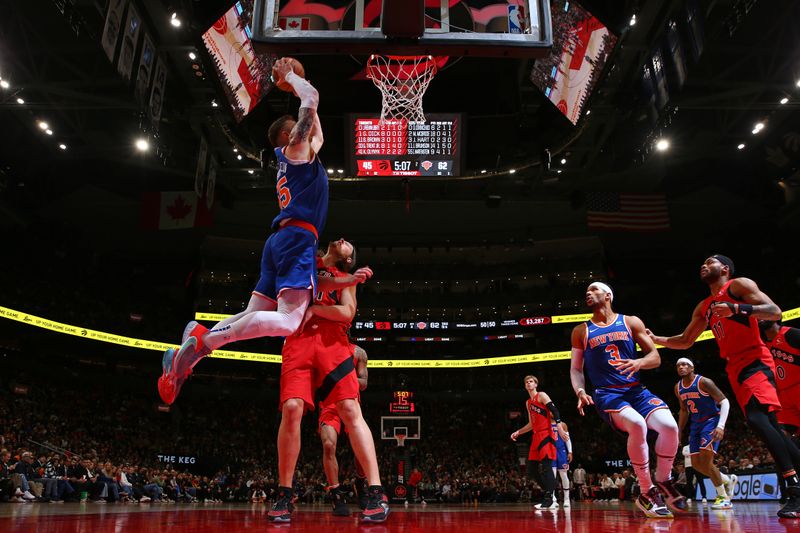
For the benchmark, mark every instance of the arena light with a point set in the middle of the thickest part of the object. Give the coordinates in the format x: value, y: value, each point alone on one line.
x: 483, y: 171
x: 48, y: 131
x: 43, y: 125
x: 251, y: 172
x: 175, y: 21
x: 740, y: 146
x: 235, y: 150
x: 512, y: 171
x: 214, y: 103
x: 142, y: 145
x: 798, y: 83
x: 662, y: 145
x: 20, y: 101
x: 784, y: 100
x: 340, y: 171
x: 330, y: 171
x: 632, y: 22
x: 239, y: 157
x: 563, y: 160
x: 192, y: 56
x: 4, y: 84
x: 62, y: 146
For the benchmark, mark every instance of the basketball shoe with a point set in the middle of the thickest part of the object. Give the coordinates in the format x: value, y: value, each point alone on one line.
x: 548, y: 502
x: 731, y: 484
x: 792, y: 507
x: 282, y: 508
x: 652, y: 504
x: 176, y: 366
x: 674, y: 499
x: 337, y: 501
x: 377, y: 509
x: 722, y: 502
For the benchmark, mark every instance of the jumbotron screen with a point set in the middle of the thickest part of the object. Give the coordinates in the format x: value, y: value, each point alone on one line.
x: 402, y: 148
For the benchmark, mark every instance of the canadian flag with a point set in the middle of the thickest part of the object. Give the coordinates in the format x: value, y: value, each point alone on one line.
x: 294, y: 23
x: 174, y: 210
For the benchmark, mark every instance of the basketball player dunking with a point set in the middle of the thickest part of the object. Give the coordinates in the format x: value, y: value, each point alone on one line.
x: 542, y: 453
x: 606, y: 347
x: 284, y: 290
x: 732, y: 312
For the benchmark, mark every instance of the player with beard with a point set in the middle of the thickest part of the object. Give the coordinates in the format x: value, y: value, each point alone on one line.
x: 732, y: 311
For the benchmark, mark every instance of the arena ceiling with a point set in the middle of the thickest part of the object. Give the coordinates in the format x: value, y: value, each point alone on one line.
x: 51, y: 56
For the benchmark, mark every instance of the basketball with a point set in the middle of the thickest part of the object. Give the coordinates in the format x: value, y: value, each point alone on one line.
x: 280, y: 83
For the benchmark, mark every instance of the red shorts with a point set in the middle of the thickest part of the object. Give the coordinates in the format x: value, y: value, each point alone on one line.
x: 755, y: 380
x: 330, y: 417
x: 790, y: 408
x: 318, y: 360
x: 543, y: 446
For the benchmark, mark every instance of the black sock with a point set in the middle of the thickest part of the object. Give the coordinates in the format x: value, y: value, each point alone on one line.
x: 783, y: 450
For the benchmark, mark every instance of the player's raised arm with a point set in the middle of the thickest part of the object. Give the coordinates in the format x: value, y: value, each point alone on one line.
x: 686, y: 339
x: 757, y: 303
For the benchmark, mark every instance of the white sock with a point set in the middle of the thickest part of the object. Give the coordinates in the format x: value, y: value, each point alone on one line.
x: 721, y: 491
x: 284, y: 321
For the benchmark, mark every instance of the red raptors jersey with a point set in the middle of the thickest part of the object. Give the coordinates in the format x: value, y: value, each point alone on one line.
x: 540, y: 418
x: 737, y: 336
x: 329, y: 297
x: 787, y: 360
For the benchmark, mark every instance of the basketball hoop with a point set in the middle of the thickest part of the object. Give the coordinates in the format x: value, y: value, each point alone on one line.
x: 402, y: 81
x: 401, y: 440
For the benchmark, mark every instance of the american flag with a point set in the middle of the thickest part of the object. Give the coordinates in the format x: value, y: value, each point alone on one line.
x: 611, y: 211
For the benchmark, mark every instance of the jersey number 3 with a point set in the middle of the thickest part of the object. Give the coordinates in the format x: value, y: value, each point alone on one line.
x: 284, y: 195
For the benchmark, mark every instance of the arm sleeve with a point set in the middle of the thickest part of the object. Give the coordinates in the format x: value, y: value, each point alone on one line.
x: 724, y: 407
x: 569, y: 445
x: 554, y: 411
x: 309, y: 97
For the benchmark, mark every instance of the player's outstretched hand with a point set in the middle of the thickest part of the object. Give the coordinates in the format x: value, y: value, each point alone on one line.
x: 721, y: 309
x: 515, y: 436
x: 584, y: 400
x: 282, y: 67
x: 362, y: 274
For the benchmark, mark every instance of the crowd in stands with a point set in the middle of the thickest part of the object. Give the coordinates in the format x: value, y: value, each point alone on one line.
x: 102, y: 443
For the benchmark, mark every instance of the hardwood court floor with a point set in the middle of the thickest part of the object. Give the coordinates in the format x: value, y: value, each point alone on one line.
x: 199, y: 518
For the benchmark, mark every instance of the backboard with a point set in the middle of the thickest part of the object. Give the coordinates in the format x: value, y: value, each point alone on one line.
x: 409, y: 426
x: 480, y: 28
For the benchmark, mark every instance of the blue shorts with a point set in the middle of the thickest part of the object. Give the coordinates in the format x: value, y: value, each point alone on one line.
x: 608, y: 401
x: 562, y: 461
x: 289, y: 261
x: 701, y: 435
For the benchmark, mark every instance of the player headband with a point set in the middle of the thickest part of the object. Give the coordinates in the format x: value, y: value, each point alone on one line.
x: 603, y: 287
x: 725, y: 260
x: 684, y: 360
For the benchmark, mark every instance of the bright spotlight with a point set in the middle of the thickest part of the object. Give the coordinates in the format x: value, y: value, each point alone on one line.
x: 4, y: 84
x: 20, y: 101
x: 49, y: 132
x: 512, y: 171
x: 662, y: 145
x: 632, y: 22
x: 62, y: 146
x: 239, y: 157
x: 339, y: 171
x: 784, y: 100
x: 142, y: 145
x: 43, y: 125
x: 740, y: 146
x: 192, y: 56
x: 251, y: 171
x: 175, y: 21
x: 563, y: 160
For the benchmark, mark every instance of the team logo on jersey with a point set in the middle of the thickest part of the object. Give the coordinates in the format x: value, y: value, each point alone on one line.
x: 655, y: 401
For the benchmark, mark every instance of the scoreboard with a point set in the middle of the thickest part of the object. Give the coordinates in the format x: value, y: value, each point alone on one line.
x: 402, y: 148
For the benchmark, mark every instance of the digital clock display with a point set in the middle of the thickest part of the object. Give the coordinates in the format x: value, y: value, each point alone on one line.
x: 402, y: 148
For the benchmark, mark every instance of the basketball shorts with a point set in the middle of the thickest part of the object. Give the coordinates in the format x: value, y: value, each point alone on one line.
x: 756, y: 380
x: 543, y: 446
x: 318, y: 363
x: 790, y: 407
x: 289, y: 261
x: 608, y: 401
x: 562, y: 461
x: 328, y: 416
x: 701, y: 435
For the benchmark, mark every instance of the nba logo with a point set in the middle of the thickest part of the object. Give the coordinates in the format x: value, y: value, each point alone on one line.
x: 516, y: 19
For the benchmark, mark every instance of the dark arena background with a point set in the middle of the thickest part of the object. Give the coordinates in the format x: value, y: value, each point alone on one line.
x: 622, y: 141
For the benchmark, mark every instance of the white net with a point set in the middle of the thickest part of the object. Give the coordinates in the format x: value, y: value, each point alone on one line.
x: 402, y: 81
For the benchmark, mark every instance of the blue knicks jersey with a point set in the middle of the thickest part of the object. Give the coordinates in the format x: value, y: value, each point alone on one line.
x: 560, y: 444
x: 605, y: 348
x: 302, y: 191
x: 700, y: 405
